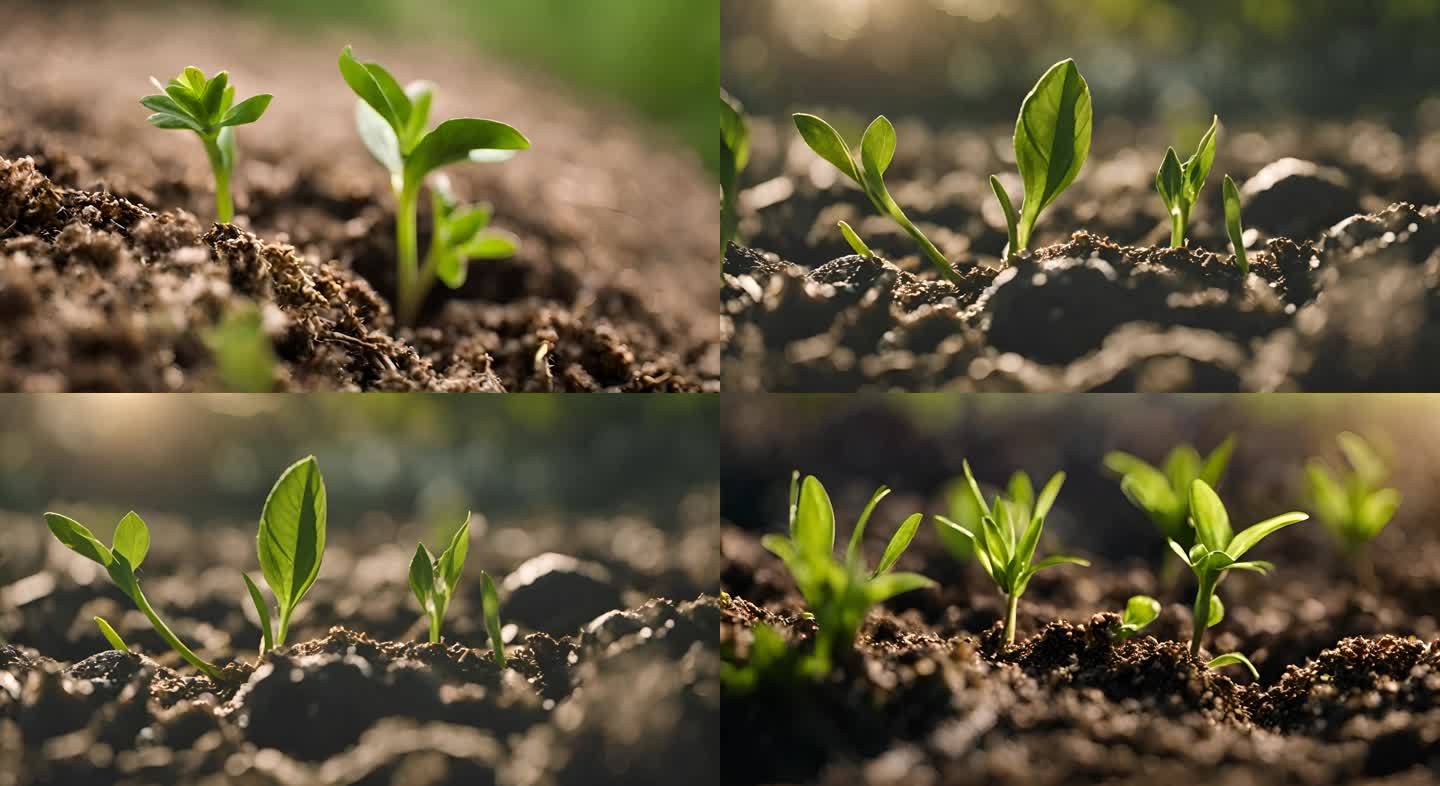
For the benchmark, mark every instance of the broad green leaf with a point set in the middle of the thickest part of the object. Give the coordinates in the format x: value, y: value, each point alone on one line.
x: 194, y: 79
x: 898, y: 543
x: 1148, y: 490
x: 1213, y: 470
x: 814, y: 520
x: 490, y: 600
x: 1008, y: 208
x: 490, y: 244
x: 263, y: 610
x: 854, y: 240
x: 1252, y: 535
x: 422, y: 575
x: 362, y: 81
x: 464, y: 226
x: 132, y: 539
x: 1170, y: 181
x: 780, y: 546
x: 1052, y: 139
x: 111, y: 636
x: 1140, y: 610
x: 247, y: 111
x: 291, y: 541
x: 452, y: 141
x: 395, y: 95
x: 889, y: 585
x: 1212, y: 522
x: 1217, y: 612
x: 379, y: 138
x: 1232, y: 658
x: 189, y: 103
x: 853, y: 556
x: 827, y: 143
x: 1197, y: 168
x: 1233, y: 226
x: 452, y: 559
x: 214, y: 96
x: 78, y: 539
x: 1377, y: 510
x: 877, y: 147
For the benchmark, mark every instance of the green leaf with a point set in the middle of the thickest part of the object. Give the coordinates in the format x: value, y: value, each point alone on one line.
x: 362, y: 81
x: 490, y: 599
x: 898, y: 543
x: 1326, y: 493
x: 1022, y: 493
x: 889, y: 585
x: 1363, y: 458
x: 827, y: 143
x: 379, y: 138
x: 188, y: 102
x: 194, y: 79
x: 1052, y: 140
x: 1212, y: 522
x: 453, y: 140
x: 267, y: 635
x: 1232, y: 658
x: 734, y: 133
x: 1182, y: 466
x: 452, y: 559
x: 247, y: 111
x: 1170, y: 181
x: 996, y: 545
x: 395, y: 95
x: 814, y: 520
x: 1048, y: 494
x: 1149, y: 491
x: 1233, y: 226
x: 132, y: 539
x: 975, y: 490
x: 1180, y: 551
x: 172, y: 122
x: 1057, y: 560
x: 780, y: 546
x: 491, y: 244
x: 1252, y: 535
x: 421, y: 95
x: 1258, y: 566
x: 853, y: 556
x: 111, y: 636
x: 214, y: 96
x: 291, y: 541
x: 1377, y: 510
x: 464, y: 225
x: 854, y: 240
x: 1011, y: 220
x: 422, y: 576
x: 1213, y: 470
x: 877, y: 147
x: 1140, y: 610
x: 1197, y: 168
x: 76, y: 537
x: 1217, y: 612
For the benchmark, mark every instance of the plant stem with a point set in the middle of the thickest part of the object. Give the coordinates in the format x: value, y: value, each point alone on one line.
x: 283, y: 628
x: 407, y: 282
x: 1201, y: 613
x: 170, y: 638
x: 224, y: 208
x: 1013, y: 603
x: 434, y: 627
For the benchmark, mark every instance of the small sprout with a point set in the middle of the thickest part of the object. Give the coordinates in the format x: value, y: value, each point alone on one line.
x: 121, y: 560
x: 772, y: 664
x: 854, y: 240
x: 1140, y: 611
x: 394, y: 125
x: 1354, y: 508
x: 1216, y: 552
x: 1233, y: 226
x: 490, y: 601
x: 877, y: 150
x: 290, y: 544
x: 1180, y: 184
x: 734, y: 155
x: 111, y: 636
x: 459, y: 236
x: 1230, y: 659
x: 191, y: 102
x: 1008, y: 534
x: 244, y: 357
x: 433, y: 580
x: 1052, y: 141
x: 839, y: 594
x: 1164, y: 494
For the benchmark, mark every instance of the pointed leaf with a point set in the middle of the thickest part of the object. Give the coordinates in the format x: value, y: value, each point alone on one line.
x: 1217, y: 612
x: 827, y: 143
x: 1008, y: 208
x: 1140, y: 610
x: 1212, y: 522
x: 1258, y: 566
x: 490, y: 601
x: 1367, y: 463
x: 975, y: 490
x: 188, y: 102
x: 1233, y: 226
x: 132, y: 539
x: 898, y: 543
x: 247, y: 111
x: 1052, y: 139
x: 1179, y: 551
x: 214, y: 96
x: 1022, y: 493
x: 453, y: 140
x: 111, y: 636
x: 1213, y: 471
x: 194, y: 79
x: 452, y: 559
x: 1058, y: 559
x: 267, y: 636
x: 1170, y: 180
x: 78, y: 539
x: 362, y: 82
x: 172, y: 122
x: 1049, y: 494
x: 291, y: 541
x: 814, y: 520
x: 1197, y: 168
x: 1232, y: 658
x: 422, y: 576
x: 854, y: 240
x: 877, y: 147
x: 1247, y: 539
x: 463, y: 227
x: 853, y: 557
x: 889, y: 585
x: 1377, y: 510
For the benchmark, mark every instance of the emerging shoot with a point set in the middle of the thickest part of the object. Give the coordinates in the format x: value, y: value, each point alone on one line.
x: 734, y: 155
x: 490, y: 601
x: 1233, y: 226
x: 434, y: 579
x: 1352, y: 506
x: 111, y: 635
x: 191, y: 102
x: 1180, y: 184
x: 290, y: 544
x: 1140, y: 611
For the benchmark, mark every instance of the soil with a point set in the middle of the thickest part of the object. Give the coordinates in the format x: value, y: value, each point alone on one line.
x: 630, y: 695
x: 111, y: 274
x: 1342, y: 295
x: 1349, y: 687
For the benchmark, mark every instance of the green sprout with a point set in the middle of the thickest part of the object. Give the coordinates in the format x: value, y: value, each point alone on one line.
x: 459, y: 236
x: 877, y: 150
x: 1140, y: 611
x: 290, y: 544
x: 121, y: 560
x: 433, y: 579
x: 1353, y: 507
x: 854, y: 240
x: 1233, y: 226
x: 1008, y: 534
x: 394, y: 125
x: 1216, y: 552
x: 490, y: 602
x: 772, y: 664
x: 191, y: 102
x: 111, y: 635
x: 1164, y: 494
x: 839, y: 594
x: 1052, y: 141
x: 734, y: 155
x: 1180, y: 184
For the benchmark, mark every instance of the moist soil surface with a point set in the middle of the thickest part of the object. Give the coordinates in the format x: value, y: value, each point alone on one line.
x: 612, y: 674
x: 112, y: 275
x: 1349, y: 657
x: 1343, y: 292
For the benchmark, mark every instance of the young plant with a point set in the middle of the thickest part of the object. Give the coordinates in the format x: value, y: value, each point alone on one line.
x: 1353, y: 507
x: 290, y: 544
x: 191, y: 102
x: 111, y: 635
x: 1217, y: 551
x: 1140, y: 611
x: 1180, y: 184
x: 772, y: 665
x: 121, y: 560
x: 1233, y: 226
x: 433, y: 579
x: 459, y: 236
x: 877, y: 150
x: 839, y: 594
x: 394, y: 125
x: 490, y: 603
x: 1008, y: 534
x: 1052, y: 141
x: 734, y: 155
x: 1164, y: 494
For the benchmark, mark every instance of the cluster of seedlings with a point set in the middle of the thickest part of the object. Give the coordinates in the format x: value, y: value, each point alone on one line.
x: 394, y: 124
x: 1052, y: 141
x: 290, y: 546
x: 1003, y: 535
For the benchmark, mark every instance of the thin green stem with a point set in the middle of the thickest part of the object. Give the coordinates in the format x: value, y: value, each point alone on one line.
x: 1201, y: 613
x: 224, y: 207
x: 407, y: 283
x: 937, y: 259
x: 1010, y: 609
x: 283, y: 629
x: 171, y: 639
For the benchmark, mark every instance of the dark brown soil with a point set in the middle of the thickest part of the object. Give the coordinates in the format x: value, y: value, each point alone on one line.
x: 110, y: 281
x: 1343, y: 293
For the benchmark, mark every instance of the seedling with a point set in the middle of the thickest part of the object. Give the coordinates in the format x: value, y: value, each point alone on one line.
x: 1052, y: 141
x: 772, y: 664
x: 394, y: 125
x: 111, y: 636
x: 121, y: 560
x: 853, y: 238
x: 1353, y: 507
x: 490, y: 603
x: 1005, y: 551
x: 1180, y: 184
x: 290, y: 544
x: 877, y: 150
x: 459, y: 236
x: 433, y: 579
x: 191, y: 102
x: 734, y: 155
x: 1140, y: 611
x: 1216, y: 552
x: 1233, y: 226
x: 839, y: 594
x: 1164, y: 494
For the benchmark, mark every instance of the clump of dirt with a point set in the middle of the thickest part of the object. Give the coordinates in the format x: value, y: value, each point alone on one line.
x: 109, y: 281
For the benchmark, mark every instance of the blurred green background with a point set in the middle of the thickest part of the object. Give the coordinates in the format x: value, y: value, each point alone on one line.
x: 661, y: 57
x: 426, y: 457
